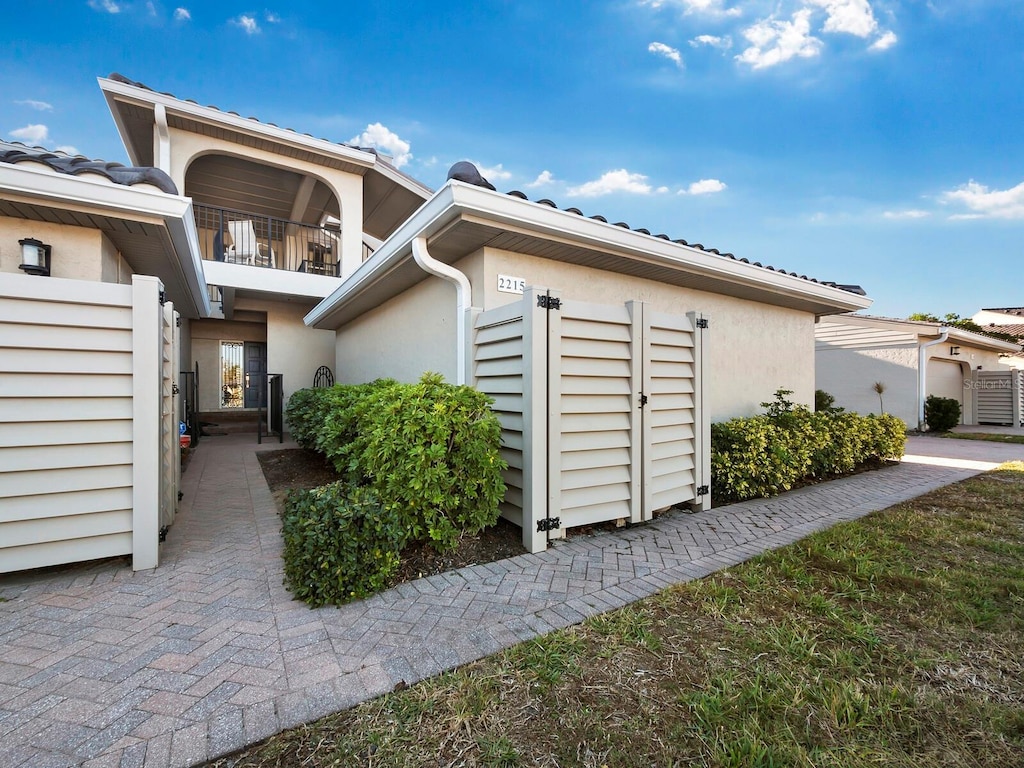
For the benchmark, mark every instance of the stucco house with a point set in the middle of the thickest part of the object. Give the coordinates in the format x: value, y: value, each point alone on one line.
x: 223, y: 235
x: 609, y: 350
x: 911, y: 359
x: 234, y: 250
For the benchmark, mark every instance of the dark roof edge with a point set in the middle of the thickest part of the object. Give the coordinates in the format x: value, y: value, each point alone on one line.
x: 76, y: 165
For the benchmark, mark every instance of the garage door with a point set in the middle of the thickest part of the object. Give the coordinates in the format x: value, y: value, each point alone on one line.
x: 946, y: 379
x: 601, y: 410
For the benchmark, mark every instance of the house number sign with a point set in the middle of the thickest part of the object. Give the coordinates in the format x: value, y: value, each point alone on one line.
x: 508, y: 284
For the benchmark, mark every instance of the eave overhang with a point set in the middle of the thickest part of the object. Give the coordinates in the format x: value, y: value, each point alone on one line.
x: 462, y: 218
x: 137, y: 219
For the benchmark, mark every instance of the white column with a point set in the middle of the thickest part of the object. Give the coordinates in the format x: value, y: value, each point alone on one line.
x: 147, y: 364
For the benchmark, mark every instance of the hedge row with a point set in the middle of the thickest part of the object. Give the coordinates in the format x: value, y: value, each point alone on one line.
x: 419, y: 458
x: 765, y: 455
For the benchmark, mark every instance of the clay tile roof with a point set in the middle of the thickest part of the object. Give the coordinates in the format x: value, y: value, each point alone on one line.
x: 856, y: 289
x: 119, y: 78
x: 1014, y: 329
x: 15, y: 152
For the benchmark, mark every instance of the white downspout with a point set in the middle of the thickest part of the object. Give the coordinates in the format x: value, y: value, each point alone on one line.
x: 464, y: 299
x: 922, y: 367
x: 162, y: 153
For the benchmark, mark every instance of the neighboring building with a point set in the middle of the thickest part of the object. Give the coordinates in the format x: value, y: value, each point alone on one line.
x: 911, y: 359
x: 1005, y: 320
x: 607, y: 400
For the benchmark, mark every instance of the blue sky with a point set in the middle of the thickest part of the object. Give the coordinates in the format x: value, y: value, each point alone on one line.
x: 865, y: 141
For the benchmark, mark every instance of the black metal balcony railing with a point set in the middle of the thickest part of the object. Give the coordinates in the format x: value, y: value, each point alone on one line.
x: 240, y: 237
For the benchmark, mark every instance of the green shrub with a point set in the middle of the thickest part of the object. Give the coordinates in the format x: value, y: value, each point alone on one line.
x: 430, y: 449
x: 766, y: 455
x: 825, y: 403
x: 305, y: 413
x: 941, y: 414
x: 340, y: 543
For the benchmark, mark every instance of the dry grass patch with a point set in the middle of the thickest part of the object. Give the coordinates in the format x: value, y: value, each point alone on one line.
x: 894, y: 640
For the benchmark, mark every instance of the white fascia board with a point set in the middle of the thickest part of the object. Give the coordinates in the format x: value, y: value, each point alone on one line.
x: 456, y: 198
x: 932, y: 330
x: 89, y: 191
x: 640, y: 247
x: 271, y: 281
x: 396, y: 249
x: 982, y: 341
x: 252, y: 127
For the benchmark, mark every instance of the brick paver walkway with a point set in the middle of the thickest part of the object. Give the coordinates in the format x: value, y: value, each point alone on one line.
x: 100, y: 666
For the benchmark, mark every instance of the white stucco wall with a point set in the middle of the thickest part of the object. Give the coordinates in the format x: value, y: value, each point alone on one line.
x: 755, y: 348
x: 293, y: 349
x: 412, y: 333
x: 849, y: 376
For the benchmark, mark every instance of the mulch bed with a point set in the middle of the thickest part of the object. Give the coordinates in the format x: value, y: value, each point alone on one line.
x: 301, y: 469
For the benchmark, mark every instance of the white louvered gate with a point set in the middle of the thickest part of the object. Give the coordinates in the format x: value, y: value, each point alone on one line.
x: 170, y: 451
x: 601, y: 410
x: 998, y: 397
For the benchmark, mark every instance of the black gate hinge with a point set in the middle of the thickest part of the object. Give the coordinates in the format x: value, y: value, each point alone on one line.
x: 177, y: 321
x: 174, y: 389
x: 702, y: 322
x: 549, y: 302
x: 703, y: 490
x: 548, y: 524
x: 163, y: 298
x: 643, y: 399
x: 163, y: 533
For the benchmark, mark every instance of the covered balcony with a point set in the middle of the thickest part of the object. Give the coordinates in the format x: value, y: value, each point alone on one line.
x: 255, y: 240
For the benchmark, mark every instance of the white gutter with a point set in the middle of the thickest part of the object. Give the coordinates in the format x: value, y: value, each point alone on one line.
x: 922, y: 368
x: 464, y: 299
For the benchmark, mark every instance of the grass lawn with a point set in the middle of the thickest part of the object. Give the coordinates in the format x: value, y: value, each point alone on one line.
x: 989, y: 436
x: 895, y: 640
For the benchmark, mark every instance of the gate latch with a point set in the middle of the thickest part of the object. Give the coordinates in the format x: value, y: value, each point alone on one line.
x: 643, y: 399
x: 548, y: 524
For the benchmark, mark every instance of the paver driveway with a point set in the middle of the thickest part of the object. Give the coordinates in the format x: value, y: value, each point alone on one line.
x: 100, y: 666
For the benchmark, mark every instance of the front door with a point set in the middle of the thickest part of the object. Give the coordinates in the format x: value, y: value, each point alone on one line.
x: 255, y: 374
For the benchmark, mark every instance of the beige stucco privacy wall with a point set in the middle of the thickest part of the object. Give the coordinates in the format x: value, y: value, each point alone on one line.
x: 756, y: 348
x: 78, y: 253
x: 186, y: 147
x: 83, y: 448
x: 407, y: 335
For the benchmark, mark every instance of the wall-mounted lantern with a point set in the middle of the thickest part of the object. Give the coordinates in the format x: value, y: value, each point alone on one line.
x: 954, y: 351
x: 35, y: 256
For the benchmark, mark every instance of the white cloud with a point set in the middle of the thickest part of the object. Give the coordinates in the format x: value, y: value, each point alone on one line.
x: 67, y: 149
x: 886, y: 41
x: 380, y: 137
x: 613, y: 181
x: 542, y: 179
x: 32, y: 134
x: 182, y: 14
x: 151, y: 8
x: 662, y: 190
x: 985, y: 203
x: 909, y: 214
x: 105, y: 5
x: 705, y: 7
x: 854, y: 17
x: 773, y: 42
x: 705, y: 187
x: 272, y: 18
x: 248, y: 23
x: 496, y: 172
x: 42, y: 106
x: 667, y: 51
x: 712, y: 41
